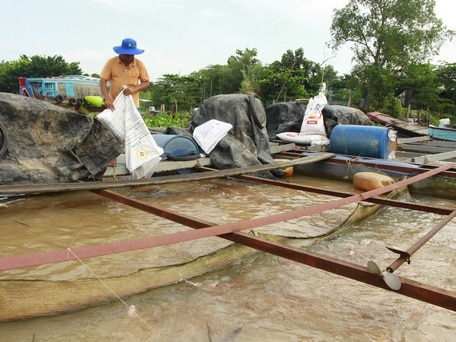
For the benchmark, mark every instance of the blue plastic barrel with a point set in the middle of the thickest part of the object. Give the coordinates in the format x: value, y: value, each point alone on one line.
x: 177, y: 147
x: 366, y: 141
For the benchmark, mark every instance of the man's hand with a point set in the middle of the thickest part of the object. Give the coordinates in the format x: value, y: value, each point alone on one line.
x: 129, y: 91
x: 109, y: 104
x: 104, y: 90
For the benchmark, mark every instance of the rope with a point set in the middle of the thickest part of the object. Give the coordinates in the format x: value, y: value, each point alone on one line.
x: 131, y: 308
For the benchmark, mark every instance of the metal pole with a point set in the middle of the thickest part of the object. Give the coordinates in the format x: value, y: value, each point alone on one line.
x: 405, y: 255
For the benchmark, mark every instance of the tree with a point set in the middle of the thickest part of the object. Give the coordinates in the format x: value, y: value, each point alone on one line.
x: 243, y: 67
x: 386, y: 37
x: 175, y: 92
x: 293, y: 77
x: 344, y: 91
x: 447, y: 76
x: 422, y: 87
x: 35, y: 66
x: 214, y: 80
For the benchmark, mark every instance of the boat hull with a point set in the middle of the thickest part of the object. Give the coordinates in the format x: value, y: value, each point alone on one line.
x: 442, y: 133
x: 342, y: 167
x: 404, y: 128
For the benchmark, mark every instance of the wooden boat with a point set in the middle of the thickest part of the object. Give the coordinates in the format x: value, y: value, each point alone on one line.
x: 418, y: 143
x: 344, y: 167
x: 405, y: 129
x: 442, y: 133
x: 414, y: 156
x: 425, y: 150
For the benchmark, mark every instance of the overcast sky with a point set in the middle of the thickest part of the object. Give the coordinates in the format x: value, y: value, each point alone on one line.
x: 179, y: 36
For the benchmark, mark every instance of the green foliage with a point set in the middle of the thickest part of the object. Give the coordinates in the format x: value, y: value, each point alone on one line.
x: 387, y: 38
x: 390, y: 43
x: 422, y: 87
x: 8, y: 78
x: 293, y: 77
x: 446, y: 75
x: 393, y: 107
x: 389, y: 34
x: 377, y: 85
x: 345, y: 91
x: 35, y: 66
x: 179, y: 119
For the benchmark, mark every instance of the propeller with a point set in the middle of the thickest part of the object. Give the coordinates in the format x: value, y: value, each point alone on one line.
x: 391, y: 280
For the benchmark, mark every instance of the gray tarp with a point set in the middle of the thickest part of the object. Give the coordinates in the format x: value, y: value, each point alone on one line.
x: 49, y: 144
x: 288, y: 116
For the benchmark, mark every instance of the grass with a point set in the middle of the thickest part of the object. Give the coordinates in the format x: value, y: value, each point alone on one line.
x: 179, y: 119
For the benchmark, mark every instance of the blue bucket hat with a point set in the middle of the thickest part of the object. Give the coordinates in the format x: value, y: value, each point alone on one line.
x: 128, y: 47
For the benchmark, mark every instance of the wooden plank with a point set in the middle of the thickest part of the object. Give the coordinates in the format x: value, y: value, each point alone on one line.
x: 434, y: 157
x: 163, y: 166
x: 432, y: 142
x: 22, y: 189
x: 406, y: 127
x: 167, y: 165
x: 274, y: 149
x: 442, y: 143
x: 412, y: 140
x: 423, y: 149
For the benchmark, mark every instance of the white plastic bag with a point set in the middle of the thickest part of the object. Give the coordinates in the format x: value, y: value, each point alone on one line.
x: 142, y: 154
x: 210, y: 133
x: 307, y: 139
x: 313, y: 122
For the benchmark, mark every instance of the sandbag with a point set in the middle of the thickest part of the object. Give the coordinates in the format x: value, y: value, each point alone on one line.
x: 208, y: 134
x: 313, y: 122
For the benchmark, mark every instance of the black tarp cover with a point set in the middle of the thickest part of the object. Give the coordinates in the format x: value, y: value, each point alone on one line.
x: 49, y: 144
x: 287, y: 117
x: 247, y: 143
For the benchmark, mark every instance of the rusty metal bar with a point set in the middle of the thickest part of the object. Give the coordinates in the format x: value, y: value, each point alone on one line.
x: 409, y: 288
x: 343, y: 194
x: 404, y: 256
x: 412, y: 289
x: 186, y: 220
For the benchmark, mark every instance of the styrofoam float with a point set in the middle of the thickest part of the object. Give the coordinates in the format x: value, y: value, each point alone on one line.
x: 371, y: 180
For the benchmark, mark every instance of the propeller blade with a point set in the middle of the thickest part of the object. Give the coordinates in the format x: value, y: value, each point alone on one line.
x: 372, y: 267
x: 389, y: 278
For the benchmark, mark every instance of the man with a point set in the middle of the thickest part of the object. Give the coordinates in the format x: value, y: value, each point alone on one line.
x: 124, y: 70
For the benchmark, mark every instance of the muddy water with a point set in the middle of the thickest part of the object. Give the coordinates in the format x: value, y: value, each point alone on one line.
x: 262, y: 298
